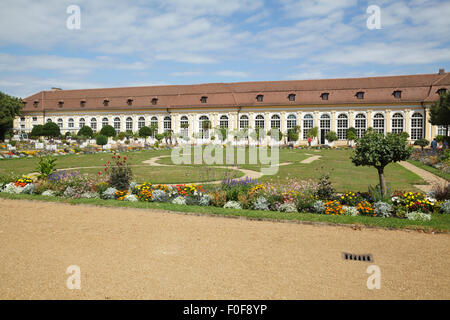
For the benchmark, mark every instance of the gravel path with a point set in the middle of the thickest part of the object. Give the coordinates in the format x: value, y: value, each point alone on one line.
x: 144, y: 254
x: 432, y: 179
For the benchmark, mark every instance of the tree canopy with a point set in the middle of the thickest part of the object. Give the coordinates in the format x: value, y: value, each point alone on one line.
x: 378, y: 150
x: 108, y: 131
x: 51, y: 129
x: 9, y: 109
x: 440, y: 111
x: 86, y: 131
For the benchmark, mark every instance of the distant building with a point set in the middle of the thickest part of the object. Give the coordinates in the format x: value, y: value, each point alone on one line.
x: 387, y: 104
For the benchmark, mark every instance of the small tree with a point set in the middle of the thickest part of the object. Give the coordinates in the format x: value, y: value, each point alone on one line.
x: 275, y: 133
x: 331, y: 136
x: 101, y: 140
x: 440, y: 112
x: 51, y: 129
x: 351, y: 135
x: 37, y: 131
x: 313, y: 133
x: 108, y: 131
x: 86, y: 131
x: 145, y: 132
x: 9, y: 108
x: 422, y: 143
x: 293, y: 134
x: 378, y: 150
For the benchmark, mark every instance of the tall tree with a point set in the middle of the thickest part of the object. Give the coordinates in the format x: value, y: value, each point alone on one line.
x: 440, y: 112
x: 9, y: 109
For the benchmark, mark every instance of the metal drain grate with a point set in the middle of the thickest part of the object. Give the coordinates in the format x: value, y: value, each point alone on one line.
x: 357, y: 257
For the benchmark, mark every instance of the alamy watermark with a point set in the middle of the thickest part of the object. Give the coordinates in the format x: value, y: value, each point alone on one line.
x: 73, y: 282
x: 374, y: 280
x: 73, y: 22
x: 374, y: 20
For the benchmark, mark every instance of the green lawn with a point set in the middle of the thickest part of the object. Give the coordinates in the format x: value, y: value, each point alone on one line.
x: 438, y: 223
x: 344, y: 175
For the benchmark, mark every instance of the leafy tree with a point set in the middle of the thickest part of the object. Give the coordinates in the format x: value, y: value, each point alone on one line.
x: 275, y: 133
x: 145, y: 132
x: 51, y: 129
x: 378, y: 150
x: 351, y: 134
x: 86, y: 131
x: 440, y: 111
x: 101, y: 140
x: 108, y: 131
x: 331, y: 136
x: 313, y: 133
x: 121, y: 135
x: 159, y: 137
x: 293, y: 134
x: 37, y: 131
x: 422, y: 143
x: 9, y: 109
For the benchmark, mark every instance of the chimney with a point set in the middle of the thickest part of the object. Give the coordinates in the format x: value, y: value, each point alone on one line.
x: 56, y: 89
x: 441, y: 71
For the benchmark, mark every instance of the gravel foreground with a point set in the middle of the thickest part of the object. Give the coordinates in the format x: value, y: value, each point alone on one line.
x: 148, y: 254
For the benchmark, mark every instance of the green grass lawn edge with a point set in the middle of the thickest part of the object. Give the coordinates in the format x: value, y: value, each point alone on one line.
x: 431, y: 169
x: 438, y: 223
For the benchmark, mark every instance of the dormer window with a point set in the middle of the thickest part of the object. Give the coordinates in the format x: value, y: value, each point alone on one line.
x: 360, y: 95
x: 35, y: 103
x: 83, y: 103
x: 397, y: 94
x: 204, y: 99
x: 291, y: 97
x: 154, y: 101
x: 60, y: 103
x: 129, y: 101
x: 259, y: 98
x: 106, y: 102
x: 324, y: 96
x: 441, y: 91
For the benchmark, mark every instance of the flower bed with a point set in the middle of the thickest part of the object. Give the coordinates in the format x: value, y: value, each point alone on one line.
x: 287, y: 195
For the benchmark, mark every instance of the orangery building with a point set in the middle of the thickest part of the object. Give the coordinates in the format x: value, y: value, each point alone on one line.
x: 387, y: 104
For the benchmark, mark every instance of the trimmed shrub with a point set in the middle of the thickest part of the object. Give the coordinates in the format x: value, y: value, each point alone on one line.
x: 86, y: 131
x: 418, y: 215
x: 232, y: 205
x: 382, y: 209
x: 261, y: 203
x: 287, y: 207
x: 108, y: 131
x: 51, y: 129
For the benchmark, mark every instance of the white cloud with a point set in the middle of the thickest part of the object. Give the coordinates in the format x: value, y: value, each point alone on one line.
x: 310, y: 8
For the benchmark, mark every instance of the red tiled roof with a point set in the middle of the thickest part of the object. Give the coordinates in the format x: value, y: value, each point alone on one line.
x: 415, y: 88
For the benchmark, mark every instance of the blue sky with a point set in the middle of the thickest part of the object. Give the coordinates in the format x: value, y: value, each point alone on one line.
x: 154, y: 42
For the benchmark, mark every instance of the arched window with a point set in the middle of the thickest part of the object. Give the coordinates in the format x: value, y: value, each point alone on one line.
x: 141, y: 122
x: 259, y: 121
x: 325, y: 126
x: 49, y: 120
x: 342, y: 126
x: 154, y: 124
x: 291, y: 122
x: 129, y: 124
x: 60, y: 123
x: 243, y: 122
x: 184, y: 125
x: 117, y: 124
x: 378, y: 123
x: 360, y: 125
x: 94, y: 124
x: 397, y: 123
x: 81, y: 123
x: 416, y: 126
x: 167, y: 124
x: 71, y: 123
x: 105, y: 122
x: 275, y: 122
x: 203, y: 127
x: 308, y: 124
x: 223, y: 123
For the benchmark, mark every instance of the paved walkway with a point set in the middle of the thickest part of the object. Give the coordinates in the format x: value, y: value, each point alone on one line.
x: 310, y: 159
x: 149, y: 254
x: 432, y: 179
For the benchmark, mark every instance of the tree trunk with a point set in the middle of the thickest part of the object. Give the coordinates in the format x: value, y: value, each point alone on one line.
x: 382, y: 181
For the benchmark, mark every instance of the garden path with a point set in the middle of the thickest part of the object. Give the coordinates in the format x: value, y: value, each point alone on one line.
x: 432, y: 179
x: 151, y: 254
x: 310, y: 159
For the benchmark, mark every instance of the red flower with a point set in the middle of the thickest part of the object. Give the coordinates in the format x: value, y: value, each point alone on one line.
x: 124, y: 158
x: 105, y: 169
x: 99, y: 173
